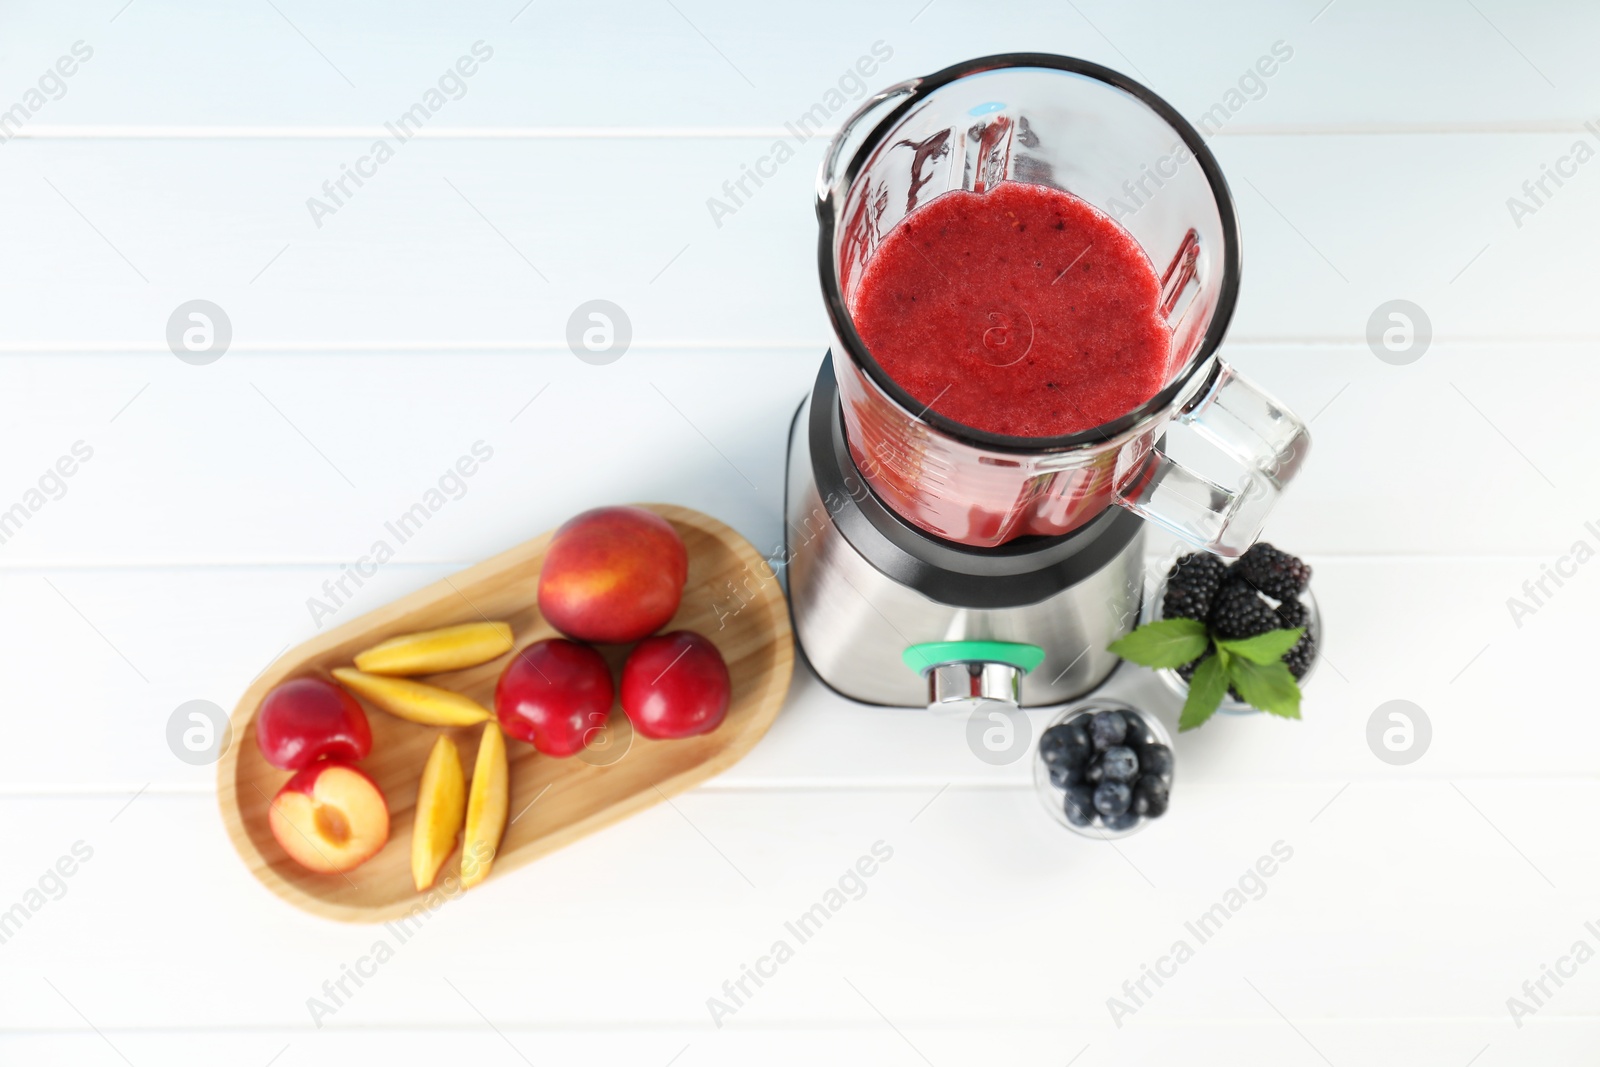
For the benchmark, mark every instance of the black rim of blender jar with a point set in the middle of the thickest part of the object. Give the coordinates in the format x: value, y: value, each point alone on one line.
x: 1226, y: 299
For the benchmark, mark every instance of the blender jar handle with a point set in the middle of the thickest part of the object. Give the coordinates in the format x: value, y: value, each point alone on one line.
x: 1242, y: 420
x: 848, y: 133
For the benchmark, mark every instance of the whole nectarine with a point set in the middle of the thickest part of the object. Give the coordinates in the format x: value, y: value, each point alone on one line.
x: 675, y: 685
x: 305, y: 719
x: 613, y: 575
x: 556, y: 695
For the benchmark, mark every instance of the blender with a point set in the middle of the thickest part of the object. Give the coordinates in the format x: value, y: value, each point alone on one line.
x: 932, y: 563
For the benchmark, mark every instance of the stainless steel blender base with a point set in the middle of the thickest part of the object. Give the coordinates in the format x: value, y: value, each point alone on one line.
x: 854, y: 621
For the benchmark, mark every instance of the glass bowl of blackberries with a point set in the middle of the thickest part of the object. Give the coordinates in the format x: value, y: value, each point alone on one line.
x: 1103, y: 769
x: 1263, y: 590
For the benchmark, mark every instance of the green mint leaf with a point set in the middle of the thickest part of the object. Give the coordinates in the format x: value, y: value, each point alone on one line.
x: 1267, y: 686
x: 1265, y: 648
x: 1164, y: 643
x: 1205, y: 693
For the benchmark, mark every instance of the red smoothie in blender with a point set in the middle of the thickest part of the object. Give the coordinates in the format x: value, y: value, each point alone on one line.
x: 1021, y: 310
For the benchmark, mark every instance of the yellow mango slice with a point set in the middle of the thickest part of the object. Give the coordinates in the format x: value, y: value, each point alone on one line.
x: 432, y: 651
x: 441, y: 802
x: 486, y: 807
x: 414, y: 701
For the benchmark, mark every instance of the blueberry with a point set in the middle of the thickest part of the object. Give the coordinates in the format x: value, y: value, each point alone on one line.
x: 1121, y: 822
x: 1063, y: 775
x: 1066, y: 742
x: 1119, y: 764
x: 1108, y: 728
x: 1112, y: 798
x: 1152, y: 793
x: 1157, y: 761
x: 1139, y: 734
x: 1094, y: 772
x: 1079, y: 805
x: 1079, y: 747
x: 1053, y: 745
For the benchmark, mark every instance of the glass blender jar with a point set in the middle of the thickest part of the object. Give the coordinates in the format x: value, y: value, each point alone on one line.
x: 1106, y: 139
x: 931, y: 563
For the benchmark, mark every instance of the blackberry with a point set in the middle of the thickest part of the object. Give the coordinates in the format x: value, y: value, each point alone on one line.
x: 1192, y: 584
x: 1300, y: 657
x: 1273, y: 571
x: 1293, y: 613
x: 1239, y: 611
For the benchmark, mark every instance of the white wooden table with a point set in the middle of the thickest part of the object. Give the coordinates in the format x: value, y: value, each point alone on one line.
x: 428, y: 312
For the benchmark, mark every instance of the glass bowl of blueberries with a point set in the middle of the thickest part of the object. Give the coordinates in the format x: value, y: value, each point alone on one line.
x: 1103, y: 768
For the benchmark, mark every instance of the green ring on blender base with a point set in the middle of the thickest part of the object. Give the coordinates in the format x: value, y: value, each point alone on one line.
x: 930, y: 654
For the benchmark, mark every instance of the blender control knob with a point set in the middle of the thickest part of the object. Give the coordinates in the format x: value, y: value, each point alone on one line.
x: 963, y: 674
x: 965, y: 683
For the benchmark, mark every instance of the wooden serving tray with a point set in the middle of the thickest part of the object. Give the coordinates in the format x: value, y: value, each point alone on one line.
x: 553, y: 801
